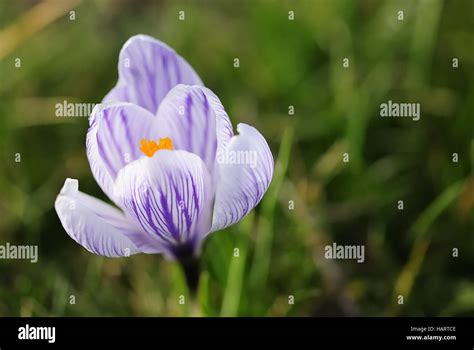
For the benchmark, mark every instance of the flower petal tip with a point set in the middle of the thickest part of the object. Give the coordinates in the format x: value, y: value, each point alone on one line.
x: 70, y: 187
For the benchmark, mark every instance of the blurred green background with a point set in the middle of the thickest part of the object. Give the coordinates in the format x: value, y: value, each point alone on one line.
x: 281, y: 269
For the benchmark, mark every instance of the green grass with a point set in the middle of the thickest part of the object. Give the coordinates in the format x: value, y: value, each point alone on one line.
x: 281, y: 250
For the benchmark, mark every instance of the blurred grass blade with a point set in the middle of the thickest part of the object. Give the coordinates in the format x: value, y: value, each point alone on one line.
x: 472, y: 156
x: 420, y: 230
x: 179, y: 289
x: 425, y: 29
x: 203, y: 294
x: 32, y: 22
x: 261, y: 260
x: 235, y: 275
x: 60, y: 296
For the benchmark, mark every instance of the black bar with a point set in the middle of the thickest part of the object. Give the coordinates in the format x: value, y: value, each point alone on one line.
x: 362, y: 331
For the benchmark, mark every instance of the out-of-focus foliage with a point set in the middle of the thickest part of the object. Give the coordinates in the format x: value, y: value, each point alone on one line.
x: 282, y: 63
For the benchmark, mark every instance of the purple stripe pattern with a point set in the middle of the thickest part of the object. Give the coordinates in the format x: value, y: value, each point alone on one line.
x: 167, y: 195
x: 148, y: 70
x: 187, y: 113
x: 209, y: 179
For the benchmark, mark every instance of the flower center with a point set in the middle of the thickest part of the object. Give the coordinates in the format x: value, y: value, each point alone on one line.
x: 149, y: 147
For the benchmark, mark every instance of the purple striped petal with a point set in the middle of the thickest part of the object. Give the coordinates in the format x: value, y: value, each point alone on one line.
x: 224, y: 130
x: 113, y: 139
x: 99, y: 227
x: 245, y: 172
x: 148, y: 70
x: 168, y: 196
x: 198, y: 121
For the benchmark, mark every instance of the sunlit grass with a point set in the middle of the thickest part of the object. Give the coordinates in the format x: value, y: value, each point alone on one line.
x: 280, y: 250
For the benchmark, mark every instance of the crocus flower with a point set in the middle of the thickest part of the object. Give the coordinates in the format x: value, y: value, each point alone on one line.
x: 162, y: 148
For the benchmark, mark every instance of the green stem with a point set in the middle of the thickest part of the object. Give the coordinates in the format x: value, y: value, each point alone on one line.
x: 190, y: 264
x: 191, y: 270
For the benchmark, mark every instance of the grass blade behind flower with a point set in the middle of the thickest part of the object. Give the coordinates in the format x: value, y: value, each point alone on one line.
x: 263, y: 247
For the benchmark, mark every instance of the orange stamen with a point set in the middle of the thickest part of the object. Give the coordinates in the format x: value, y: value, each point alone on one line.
x: 165, y: 143
x: 149, y: 147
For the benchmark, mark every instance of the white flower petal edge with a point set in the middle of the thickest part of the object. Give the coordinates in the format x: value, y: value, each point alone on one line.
x: 224, y: 130
x: 245, y: 172
x: 97, y: 226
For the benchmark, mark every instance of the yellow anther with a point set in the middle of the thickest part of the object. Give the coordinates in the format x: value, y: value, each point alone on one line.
x: 149, y: 147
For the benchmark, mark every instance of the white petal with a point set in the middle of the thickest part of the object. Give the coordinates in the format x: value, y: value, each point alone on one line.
x: 187, y: 112
x: 113, y: 139
x: 148, y: 70
x: 168, y: 195
x: 245, y: 172
x: 97, y: 226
